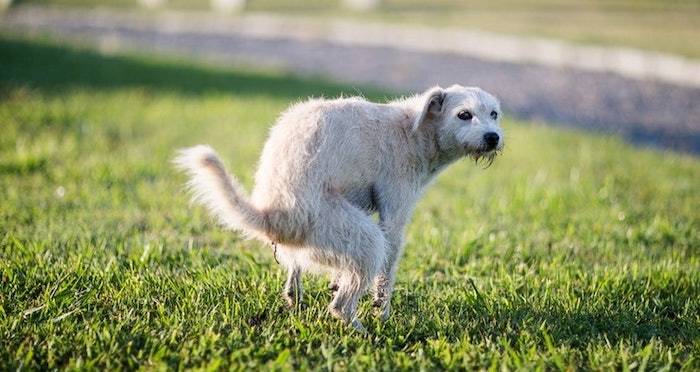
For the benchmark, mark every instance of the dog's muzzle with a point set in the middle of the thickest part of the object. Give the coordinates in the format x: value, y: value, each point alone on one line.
x: 491, y: 141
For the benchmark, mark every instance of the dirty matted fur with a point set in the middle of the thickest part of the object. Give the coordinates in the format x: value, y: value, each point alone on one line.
x: 328, y: 165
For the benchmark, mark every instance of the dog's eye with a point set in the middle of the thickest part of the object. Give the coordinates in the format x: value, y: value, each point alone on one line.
x: 494, y: 115
x: 465, y: 115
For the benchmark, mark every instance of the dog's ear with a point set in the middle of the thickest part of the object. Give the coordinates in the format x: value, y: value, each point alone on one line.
x: 432, y: 105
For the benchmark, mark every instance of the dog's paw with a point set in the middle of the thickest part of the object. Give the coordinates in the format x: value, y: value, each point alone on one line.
x: 357, y: 325
x: 382, y: 309
x: 292, y: 299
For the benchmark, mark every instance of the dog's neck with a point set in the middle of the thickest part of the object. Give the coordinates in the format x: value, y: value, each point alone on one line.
x: 427, y: 151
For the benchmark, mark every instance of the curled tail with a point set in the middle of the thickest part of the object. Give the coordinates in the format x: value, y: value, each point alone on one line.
x: 212, y: 186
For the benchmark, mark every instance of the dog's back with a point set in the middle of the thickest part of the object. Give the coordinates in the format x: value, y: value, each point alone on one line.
x: 335, y: 149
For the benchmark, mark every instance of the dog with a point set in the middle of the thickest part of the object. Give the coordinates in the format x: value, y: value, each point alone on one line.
x: 329, y: 165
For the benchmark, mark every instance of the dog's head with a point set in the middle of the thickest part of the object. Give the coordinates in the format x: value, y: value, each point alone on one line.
x: 465, y: 120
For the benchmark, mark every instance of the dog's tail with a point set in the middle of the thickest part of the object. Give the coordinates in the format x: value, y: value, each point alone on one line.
x: 212, y: 186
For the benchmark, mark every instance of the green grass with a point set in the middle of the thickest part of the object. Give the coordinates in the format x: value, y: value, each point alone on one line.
x: 571, y: 251
x: 666, y: 26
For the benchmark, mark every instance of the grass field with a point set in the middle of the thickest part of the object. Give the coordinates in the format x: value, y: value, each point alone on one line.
x: 666, y: 26
x: 571, y: 251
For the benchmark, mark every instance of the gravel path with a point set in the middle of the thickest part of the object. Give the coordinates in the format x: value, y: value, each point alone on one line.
x: 648, y: 112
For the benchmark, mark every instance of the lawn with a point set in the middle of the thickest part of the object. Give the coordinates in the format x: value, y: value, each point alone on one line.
x: 666, y: 26
x: 572, y: 251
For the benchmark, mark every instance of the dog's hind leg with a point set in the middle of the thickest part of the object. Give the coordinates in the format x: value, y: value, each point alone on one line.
x: 354, y: 246
x: 351, y: 286
x: 293, y: 289
x: 333, y: 285
x: 287, y: 257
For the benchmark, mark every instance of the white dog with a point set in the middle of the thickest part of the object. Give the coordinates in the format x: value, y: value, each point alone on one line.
x: 328, y: 165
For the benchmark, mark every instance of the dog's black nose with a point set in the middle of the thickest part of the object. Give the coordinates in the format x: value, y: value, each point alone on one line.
x: 491, y: 140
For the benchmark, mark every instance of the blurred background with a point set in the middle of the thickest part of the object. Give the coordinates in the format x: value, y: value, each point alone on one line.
x: 624, y: 67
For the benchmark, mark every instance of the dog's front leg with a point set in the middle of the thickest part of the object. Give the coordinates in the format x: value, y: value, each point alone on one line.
x: 393, y: 226
x: 384, y: 282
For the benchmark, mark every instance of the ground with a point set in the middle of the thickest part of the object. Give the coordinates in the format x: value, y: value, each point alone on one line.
x: 572, y: 251
x: 666, y: 26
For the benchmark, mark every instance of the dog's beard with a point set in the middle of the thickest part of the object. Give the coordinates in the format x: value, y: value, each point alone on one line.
x: 483, y: 157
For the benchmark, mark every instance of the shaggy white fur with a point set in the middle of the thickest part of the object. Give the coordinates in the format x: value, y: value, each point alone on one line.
x: 328, y: 165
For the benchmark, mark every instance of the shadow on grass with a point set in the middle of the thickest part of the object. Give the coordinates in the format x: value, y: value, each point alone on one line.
x: 54, y: 69
x: 610, y: 321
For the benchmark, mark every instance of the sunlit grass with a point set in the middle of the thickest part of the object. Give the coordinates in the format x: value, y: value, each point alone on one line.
x: 572, y: 250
